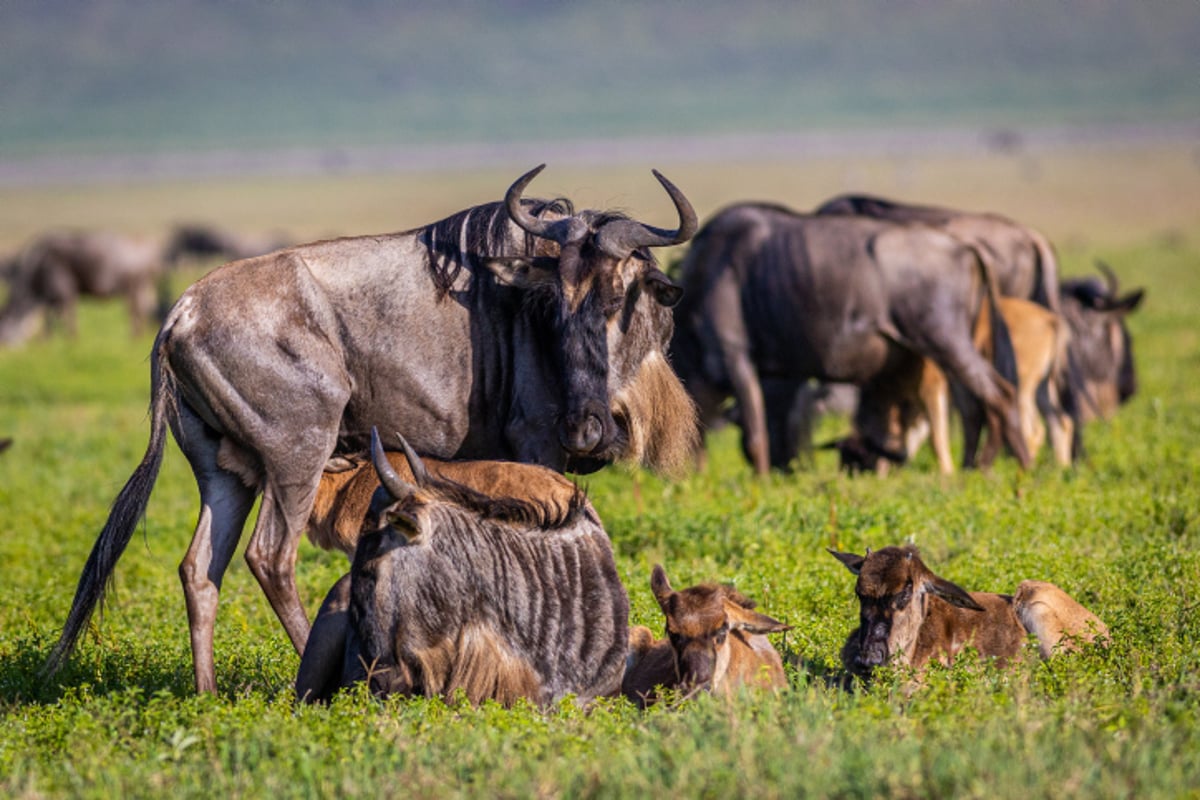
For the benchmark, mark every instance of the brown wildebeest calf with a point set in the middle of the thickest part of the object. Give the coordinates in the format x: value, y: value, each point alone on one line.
x: 500, y: 597
x: 910, y: 616
x: 715, y: 642
x: 921, y: 405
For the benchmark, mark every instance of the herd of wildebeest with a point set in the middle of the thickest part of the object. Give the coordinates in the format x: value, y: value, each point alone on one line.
x: 517, y: 340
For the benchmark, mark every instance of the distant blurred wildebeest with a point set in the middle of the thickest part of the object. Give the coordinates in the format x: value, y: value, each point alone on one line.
x: 515, y: 330
x: 5, y: 443
x: 773, y: 295
x: 1101, y: 347
x: 50, y: 275
x: 201, y: 241
x: 499, y: 597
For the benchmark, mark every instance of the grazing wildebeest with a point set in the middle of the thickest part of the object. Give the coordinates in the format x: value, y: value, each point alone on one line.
x: 500, y: 597
x: 5, y: 443
x: 922, y: 406
x: 715, y: 642
x: 51, y: 273
x: 1020, y: 258
x: 513, y: 330
x: 773, y: 295
x: 910, y: 616
x: 201, y: 241
x: 1101, y: 347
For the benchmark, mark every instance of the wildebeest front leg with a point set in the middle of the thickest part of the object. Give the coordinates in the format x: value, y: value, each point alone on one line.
x: 321, y: 666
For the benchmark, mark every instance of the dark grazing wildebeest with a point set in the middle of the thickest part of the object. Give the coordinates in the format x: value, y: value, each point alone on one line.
x: 51, y: 273
x: 910, y: 616
x: 201, y: 241
x: 513, y: 330
x: 1020, y: 258
x: 715, y: 642
x: 499, y: 597
x: 773, y: 295
x: 1101, y: 347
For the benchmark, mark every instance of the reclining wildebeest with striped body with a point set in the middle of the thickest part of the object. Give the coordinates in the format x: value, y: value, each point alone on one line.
x: 51, y: 273
x: 921, y: 406
x: 908, y: 616
x: 715, y: 642
x: 773, y: 295
x: 513, y: 330
x: 499, y: 597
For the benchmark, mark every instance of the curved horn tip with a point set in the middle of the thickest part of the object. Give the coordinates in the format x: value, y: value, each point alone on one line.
x: 389, y: 479
x: 420, y: 473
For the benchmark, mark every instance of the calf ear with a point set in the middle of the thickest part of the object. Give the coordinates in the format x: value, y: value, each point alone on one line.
x: 853, y: 562
x: 745, y: 619
x: 952, y: 593
x: 665, y: 291
x: 660, y: 586
x: 523, y: 273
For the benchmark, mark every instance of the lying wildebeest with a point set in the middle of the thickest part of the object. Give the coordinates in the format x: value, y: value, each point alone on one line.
x: 500, y: 597
x: 921, y: 405
x: 514, y: 330
x: 1020, y: 258
x: 51, y: 273
x: 773, y: 295
x: 910, y: 616
x: 1101, y: 346
x: 201, y: 241
x: 715, y: 642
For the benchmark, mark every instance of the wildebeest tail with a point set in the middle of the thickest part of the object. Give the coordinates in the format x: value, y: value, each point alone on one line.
x: 1004, y: 355
x: 126, y: 511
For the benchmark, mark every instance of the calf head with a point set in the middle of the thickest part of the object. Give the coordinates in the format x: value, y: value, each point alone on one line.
x: 894, y: 589
x: 1101, y: 348
x: 607, y: 304
x: 700, y: 620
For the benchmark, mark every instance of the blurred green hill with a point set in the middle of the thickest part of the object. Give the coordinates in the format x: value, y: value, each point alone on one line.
x: 134, y: 76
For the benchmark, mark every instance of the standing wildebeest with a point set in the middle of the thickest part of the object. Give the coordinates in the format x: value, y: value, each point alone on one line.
x: 500, y: 597
x: 909, y: 615
x: 716, y: 642
x: 53, y: 272
x: 1019, y: 257
x: 1101, y: 346
x: 780, y: 297
x: 195, y: 240
x: 515, y: 330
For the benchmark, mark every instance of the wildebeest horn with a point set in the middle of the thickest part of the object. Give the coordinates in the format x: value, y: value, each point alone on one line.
x: 621, y: 237
x: 1110, y: 277
x: 420, y: 473
x: 391, y: 481
x: 560, y: 230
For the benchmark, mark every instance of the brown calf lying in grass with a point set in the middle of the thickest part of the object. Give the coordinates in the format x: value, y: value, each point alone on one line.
x: 910, y: 616
x: 715, y: 642
x: 348, y: 484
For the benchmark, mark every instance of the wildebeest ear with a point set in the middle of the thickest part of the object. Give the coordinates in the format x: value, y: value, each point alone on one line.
x: 523, y: 273
x: 746, y: 619
x: 1129, y: 302
x: 664, y: 290
x: 660, y: 586
x: 853, y: 562
x: 952, y: 593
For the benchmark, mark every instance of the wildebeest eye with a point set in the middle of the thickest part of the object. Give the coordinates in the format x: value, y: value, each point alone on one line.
x: 719, y: 636
x: 901, y: 599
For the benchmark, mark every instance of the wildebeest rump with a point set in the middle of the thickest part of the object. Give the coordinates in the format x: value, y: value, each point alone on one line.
x: 772, y: 295
x: 502, y: 598
x: 1020, y: 258
x: 911, y: 616
x: 51, y: 273
x: 515, y: 330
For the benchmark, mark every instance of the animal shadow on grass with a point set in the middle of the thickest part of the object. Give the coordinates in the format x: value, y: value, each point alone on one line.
x: 22, y: 679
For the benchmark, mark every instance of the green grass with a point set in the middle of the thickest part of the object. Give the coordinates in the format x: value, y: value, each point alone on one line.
x: 1121, y: 533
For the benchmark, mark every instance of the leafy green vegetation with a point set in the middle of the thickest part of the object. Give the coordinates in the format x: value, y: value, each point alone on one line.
x: 1120, y: 532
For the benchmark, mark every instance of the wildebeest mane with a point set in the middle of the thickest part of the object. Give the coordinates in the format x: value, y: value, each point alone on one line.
x: 482, y: 230
x: 511, y: 510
